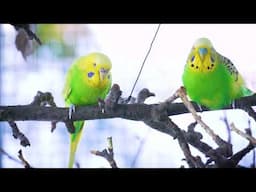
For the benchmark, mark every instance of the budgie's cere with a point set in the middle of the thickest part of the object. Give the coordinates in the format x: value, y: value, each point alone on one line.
x: 211, y: 79
x: 87, y: 80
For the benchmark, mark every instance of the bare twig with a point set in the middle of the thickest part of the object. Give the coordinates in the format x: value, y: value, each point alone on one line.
x: 143, y: 95
x: 30, y: 33
x: 141, y: 145
x: 249, y: 132
x: 235, y: 159
x: 108, y: 153
x: 245, y: 104
x: 225, y: 147
x: 173, y: 97
x: 242, y: 134
x: 225, y: 120
x: 192, y: 161
x: 77, y: 165
x: 182, y: 94
x: 9, y: 156
x: 112, y: 98
x: 25, y: 163
x: 44, y: 99
x: 18, y: 135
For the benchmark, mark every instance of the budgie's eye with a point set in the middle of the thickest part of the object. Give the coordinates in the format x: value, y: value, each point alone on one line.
x: 108, y: 76
x: 90, y: 74
x: 192, y: 58
x: 94, y: 64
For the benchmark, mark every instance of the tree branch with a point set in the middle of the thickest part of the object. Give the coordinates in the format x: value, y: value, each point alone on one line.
x: 108, y: 153
x: 24, y: 161
x: 137, y: 112
x: 154, y: 115
x: 18, y: 135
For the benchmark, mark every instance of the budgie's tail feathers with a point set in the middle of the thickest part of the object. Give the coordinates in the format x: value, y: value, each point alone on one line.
x: 247, y: 92
x: 74, y: 140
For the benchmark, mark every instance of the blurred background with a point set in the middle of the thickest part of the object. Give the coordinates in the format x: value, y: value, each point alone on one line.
x: 135, y: 144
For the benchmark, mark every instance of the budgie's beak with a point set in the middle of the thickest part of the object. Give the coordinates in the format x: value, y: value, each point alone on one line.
x: 103, y: 74
x: 202, y: 52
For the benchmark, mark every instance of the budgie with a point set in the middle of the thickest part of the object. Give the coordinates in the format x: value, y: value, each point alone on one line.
x: 88, y: 79
x: 211, y: 79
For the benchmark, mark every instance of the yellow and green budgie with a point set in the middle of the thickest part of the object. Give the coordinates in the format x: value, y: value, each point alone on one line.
x: 88, y: 79
x: 211, y: 79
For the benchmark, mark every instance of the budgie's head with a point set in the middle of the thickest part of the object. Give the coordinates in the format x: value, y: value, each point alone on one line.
x: 202, y: 57
x: 96, y: 67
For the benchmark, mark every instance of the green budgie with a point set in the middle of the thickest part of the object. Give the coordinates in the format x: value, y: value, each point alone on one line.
x: 211, y: 79
x: 87, y: 80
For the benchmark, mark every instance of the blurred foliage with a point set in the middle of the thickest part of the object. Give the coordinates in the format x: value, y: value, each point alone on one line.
x: 52, y: 36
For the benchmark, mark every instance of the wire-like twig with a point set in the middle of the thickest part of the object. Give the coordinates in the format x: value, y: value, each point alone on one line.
x: 24, y: 161
x: 151, y: 44
x: 108, y: 153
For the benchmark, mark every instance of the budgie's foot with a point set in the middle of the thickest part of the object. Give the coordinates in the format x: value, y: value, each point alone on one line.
x: 72, y: 108
x: 101, y: 104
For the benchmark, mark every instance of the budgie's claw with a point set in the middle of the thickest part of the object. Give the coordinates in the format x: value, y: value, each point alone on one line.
x: 101, y: 104
x: 72, y: 109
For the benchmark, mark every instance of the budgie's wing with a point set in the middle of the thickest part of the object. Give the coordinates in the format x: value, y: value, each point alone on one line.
x: 230, y: 66
x: 67, y: 88
x: 238, y: 80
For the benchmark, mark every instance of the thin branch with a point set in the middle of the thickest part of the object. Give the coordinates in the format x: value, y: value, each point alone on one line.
x: 236, y: 158
x: 108, y: 153
x: 242, y: 134
x: 18, y: 135
x: 192, y: 161
x: 30, y: 33
x: 44, y: 99
x: 225, y: 120
x: 140, y: 148
x: 249, y: 132
x: 9, y: 156
x: 225, y: 147
x: 24, y: 161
